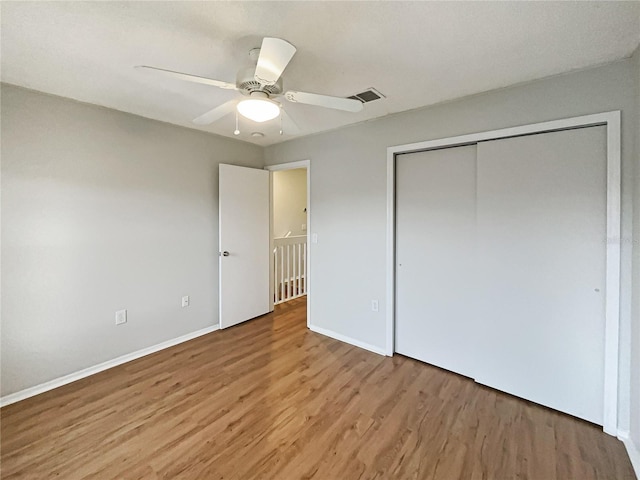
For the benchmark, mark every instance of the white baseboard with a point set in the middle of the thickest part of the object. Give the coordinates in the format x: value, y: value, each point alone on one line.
x: 345, y: 339
x: 72, y: 377
x: 632, y: 450
x: 622, y: 435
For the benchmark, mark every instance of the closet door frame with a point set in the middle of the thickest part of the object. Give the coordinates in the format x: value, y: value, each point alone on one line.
x: 611, y: 120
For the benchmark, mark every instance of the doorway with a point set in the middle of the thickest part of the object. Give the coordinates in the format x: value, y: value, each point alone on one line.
x: 289, y: 238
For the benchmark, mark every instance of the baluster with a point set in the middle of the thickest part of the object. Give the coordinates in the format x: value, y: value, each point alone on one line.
x: 281, y: 273
x: 299, y: 269
x: 275, y: 275
x: 288, y: 272
x: 293, y: 261
x: 293, y: 270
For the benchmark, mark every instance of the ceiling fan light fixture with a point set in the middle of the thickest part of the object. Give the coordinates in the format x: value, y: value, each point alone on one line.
x: 259, y: 109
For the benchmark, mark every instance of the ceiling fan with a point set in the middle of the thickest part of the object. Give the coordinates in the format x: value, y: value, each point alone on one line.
x: 261, y: 83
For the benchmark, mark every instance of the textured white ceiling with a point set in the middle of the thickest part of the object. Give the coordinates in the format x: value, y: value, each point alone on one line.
x: 416, y: 53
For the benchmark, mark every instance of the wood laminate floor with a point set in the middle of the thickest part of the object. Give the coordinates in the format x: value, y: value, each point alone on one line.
x: 269, y: 399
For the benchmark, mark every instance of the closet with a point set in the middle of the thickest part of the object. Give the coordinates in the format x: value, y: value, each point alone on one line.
x: 500, y: 264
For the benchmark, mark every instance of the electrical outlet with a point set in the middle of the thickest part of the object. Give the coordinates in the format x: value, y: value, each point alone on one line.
x: 374, y: 305
x: 121, y: 317
x: 314, y: 238
x: 185, y: 301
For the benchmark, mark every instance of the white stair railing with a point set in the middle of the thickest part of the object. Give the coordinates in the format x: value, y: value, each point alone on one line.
x: 289, y: 268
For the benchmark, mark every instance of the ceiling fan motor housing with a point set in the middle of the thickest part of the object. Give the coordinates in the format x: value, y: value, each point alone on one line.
x: 247, y: 84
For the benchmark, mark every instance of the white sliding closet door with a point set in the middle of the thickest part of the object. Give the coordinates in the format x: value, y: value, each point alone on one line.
x: 435, y: 229
x: 541, y: 213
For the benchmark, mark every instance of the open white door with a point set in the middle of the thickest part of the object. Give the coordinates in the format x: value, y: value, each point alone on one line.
x: 244, y: 244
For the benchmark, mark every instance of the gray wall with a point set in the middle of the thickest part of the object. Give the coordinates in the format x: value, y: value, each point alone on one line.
x: 102, y: 211
x: 348, y: 199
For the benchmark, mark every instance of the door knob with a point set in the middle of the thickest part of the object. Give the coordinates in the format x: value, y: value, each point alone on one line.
x: 225, y: 254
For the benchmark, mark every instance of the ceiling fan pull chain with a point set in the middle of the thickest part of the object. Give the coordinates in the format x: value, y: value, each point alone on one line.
x: 281, y: 127
x: 237, y: 130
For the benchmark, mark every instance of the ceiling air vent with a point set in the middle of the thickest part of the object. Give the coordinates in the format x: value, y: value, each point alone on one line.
x: 367, y: 96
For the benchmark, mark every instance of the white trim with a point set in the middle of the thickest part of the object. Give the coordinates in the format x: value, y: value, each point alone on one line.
x: 554, y: 125
x: 623, y: 435
x: 291, y: 166
x: 612, y: 300
x: 272, y: 283
x: 632, y: 450
x: 290, y: 298
x: 345, y: 339
x: 391, y: 251
x: 612, y: 282
x: 72, y: 377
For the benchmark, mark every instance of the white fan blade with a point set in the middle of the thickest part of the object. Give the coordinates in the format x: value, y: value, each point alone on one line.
x: 338, y: 103
x: 275, y: 55
x: 215, y: 114
x: 190, y: 78
x: 289, y: 126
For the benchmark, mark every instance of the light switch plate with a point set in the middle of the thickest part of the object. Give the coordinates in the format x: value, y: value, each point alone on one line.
x: 121, y: 317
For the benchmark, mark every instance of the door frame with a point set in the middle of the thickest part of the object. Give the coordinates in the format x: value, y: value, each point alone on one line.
x: 276, y: 168
x: 611, y: 120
